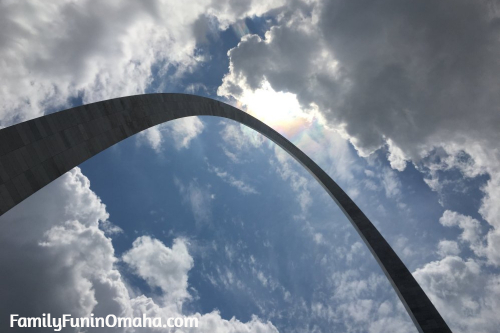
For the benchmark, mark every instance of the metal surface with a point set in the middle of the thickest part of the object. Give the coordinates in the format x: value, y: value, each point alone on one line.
x: 36, y: 152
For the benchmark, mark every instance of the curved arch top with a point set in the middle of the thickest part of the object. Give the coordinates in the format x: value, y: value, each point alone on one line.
x: 38, y: 151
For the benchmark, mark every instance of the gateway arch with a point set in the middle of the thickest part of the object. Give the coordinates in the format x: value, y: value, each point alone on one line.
x: 36, y: 152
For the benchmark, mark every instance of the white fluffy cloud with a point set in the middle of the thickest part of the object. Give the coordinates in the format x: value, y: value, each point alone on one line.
x: 56, y: 259
x: 471, y: 228
x: 181, y: 131
x: 161, y: 266
x: 58, y: 50
x: 482, y: 244
x: 463, y: 292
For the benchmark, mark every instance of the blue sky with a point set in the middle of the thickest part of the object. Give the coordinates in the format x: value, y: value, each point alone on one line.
x: 205, y: 217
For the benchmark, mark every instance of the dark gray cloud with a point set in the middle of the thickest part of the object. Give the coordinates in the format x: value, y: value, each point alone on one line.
x: 418, y: 73
x: 416, y: 70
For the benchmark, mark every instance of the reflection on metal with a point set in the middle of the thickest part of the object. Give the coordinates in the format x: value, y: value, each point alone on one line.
x: 36, y: 152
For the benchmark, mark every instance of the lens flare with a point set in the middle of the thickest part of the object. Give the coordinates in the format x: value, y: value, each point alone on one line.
x: 283, y: 112
x: 240, y: 28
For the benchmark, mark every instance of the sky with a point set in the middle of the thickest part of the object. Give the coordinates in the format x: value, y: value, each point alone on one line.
x: 396, y: 100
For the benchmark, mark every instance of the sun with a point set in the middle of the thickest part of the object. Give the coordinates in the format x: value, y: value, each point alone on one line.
x: 280, y: 110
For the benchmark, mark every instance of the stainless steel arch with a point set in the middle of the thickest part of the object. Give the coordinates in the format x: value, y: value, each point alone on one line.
x: 36, y: 152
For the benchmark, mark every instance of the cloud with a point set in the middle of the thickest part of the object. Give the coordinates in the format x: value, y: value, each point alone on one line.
x: 448, y: 248
x: 199, y: 199
x: 110, y: 228
x: 182, y: 131
x: 238, y: 139
x: 391, y: 183
x: 88, y: 49
x: 242, y: 186
x: 463, y: 292
x: 396, y: 156
x: 358, y: 310
x: 299, y: 184
x: 471, y: 228
x: 153, y: 136
x: 161, y: 266
x: 483, y: 245
x: 55, y: 256
x: 240, y: 136
x: 94, y: 50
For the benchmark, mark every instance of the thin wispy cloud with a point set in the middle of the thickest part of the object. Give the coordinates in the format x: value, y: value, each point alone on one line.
x: 198, y: 198
x: 239, y: 184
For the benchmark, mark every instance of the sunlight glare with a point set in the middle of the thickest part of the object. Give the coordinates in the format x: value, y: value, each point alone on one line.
x: 280, y: 110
